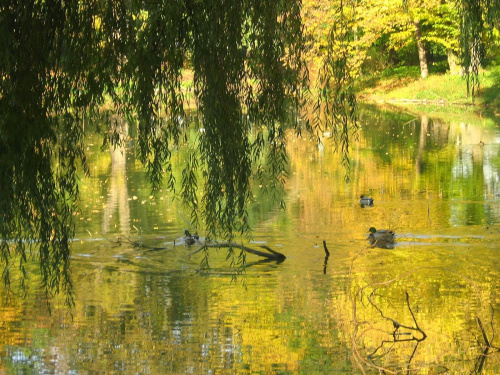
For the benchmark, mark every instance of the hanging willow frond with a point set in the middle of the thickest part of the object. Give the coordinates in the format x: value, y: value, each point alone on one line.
x: 336, y: 107
x: 248, y: 74
x: 476, y: 19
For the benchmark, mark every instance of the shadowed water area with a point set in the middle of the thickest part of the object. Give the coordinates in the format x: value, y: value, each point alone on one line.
x: 430, y: 305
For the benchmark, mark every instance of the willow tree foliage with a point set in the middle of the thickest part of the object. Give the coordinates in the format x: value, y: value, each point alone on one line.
x: 336, y: 102
x: 59, y: 60
x: 478, y: 18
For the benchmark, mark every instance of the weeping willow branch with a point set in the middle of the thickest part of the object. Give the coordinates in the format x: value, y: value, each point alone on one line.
x: 336, y: 106
x: 62, y: 59
x: 248, y: 72
x: 477, y: 18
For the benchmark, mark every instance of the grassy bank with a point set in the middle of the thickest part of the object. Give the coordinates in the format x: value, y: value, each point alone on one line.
x: 405, y: 85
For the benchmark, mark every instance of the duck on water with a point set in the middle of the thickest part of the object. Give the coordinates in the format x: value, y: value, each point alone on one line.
x: 190, y: 239
x: 382, y: 238
x: 365, y: 201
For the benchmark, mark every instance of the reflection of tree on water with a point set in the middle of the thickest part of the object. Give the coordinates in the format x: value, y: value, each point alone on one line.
x: 401, y: 332
x: 383, y: 340
x: 475, y: 176
x: 488, y: 346
x: 424, y: 122
x: 118, y: 191
x: 455, y: 160
x: 477, y: 148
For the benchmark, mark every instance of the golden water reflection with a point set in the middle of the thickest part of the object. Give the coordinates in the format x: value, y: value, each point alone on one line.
x: 428, y: 306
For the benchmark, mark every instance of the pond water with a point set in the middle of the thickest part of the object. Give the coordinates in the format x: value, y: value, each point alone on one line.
x: 430, y: 305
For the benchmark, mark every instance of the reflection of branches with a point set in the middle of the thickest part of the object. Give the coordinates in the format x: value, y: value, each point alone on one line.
x: 400, y: 334
x: 491, y: 323
x: 327, y: 255
x: 396, y: 334
x: 398, y: 337
x: 357, y: 355
x: 398, y: 325
x: 481, y: 359
x: 234, y: 273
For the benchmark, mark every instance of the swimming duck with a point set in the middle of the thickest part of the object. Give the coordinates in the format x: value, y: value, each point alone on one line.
x: 365, y: 201
x: 190, y: 239
x: 381, y: 238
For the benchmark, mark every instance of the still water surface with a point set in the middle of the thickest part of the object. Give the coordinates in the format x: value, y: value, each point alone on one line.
x: 430, y: 305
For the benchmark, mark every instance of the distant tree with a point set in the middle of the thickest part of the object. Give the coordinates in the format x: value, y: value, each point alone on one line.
x: 380, y: 26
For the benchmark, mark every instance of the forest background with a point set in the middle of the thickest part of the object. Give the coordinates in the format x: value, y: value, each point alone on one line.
x: 404, y: 51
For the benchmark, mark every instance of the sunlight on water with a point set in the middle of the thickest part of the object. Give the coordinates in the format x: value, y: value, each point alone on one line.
x: 429, y: 305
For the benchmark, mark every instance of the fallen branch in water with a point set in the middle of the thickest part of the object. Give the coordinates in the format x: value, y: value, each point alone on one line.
x: 272, y: 255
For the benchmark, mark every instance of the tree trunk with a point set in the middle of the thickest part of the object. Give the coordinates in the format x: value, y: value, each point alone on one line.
x: 424, y: 70
x: 454, y: 66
